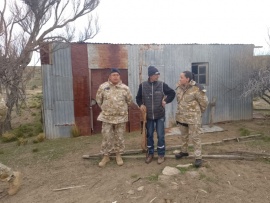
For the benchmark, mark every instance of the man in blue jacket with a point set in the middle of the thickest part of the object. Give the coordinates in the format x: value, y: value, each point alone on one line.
x: 152, y: 97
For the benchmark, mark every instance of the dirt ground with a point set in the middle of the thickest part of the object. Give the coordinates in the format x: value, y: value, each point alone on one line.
x: 58, y: 164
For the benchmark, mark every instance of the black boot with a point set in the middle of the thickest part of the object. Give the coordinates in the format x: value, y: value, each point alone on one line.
x: 198, y: 163
x: 180, y: 155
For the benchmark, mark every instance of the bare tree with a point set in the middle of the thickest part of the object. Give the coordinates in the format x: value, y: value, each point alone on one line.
x: 259, y: 84
x: 25, y: 26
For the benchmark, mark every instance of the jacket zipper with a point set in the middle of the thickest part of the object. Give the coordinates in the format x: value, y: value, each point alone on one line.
x: 153, y: 102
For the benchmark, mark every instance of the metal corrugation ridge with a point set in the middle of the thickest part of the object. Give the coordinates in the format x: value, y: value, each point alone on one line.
x: 134, y: 63
x: 228, y: 67
x: 241, y: 66
x: 225, y: 62
x: 218, y: 58
x: 58, y: 97
x: 104, y: 43
x: 47, y: 101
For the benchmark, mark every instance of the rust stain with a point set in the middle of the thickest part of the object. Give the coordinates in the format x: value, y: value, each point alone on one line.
x: 112, y: 55
x: 81, y: 87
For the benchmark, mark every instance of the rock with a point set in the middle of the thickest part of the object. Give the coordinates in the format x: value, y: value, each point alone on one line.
x: 131, y: 192
x: 169, y: 171
x: 140, y: 188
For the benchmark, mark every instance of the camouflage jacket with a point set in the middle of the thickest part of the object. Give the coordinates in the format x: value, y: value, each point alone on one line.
x: 113, y: 101
x: 191, y: 103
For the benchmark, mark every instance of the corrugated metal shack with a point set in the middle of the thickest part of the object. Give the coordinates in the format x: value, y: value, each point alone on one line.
x: 73, y: 72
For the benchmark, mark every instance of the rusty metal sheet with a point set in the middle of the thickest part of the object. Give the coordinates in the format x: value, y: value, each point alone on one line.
x: 81, y: 88
x: 107, y: 56
x: 134, y: 118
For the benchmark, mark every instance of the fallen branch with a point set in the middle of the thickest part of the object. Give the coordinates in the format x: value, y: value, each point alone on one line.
x: 67, y: 188
x: 152, y: 199
x: 218, y: 156
x: 248, y: 153
x: 168, y: 148
x: 136, y: 180
x: 95, y: 184
x: 242, y: 138
x: 127, y: 152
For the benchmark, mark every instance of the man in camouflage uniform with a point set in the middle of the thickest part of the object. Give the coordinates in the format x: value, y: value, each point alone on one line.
x: 6, y: 174
x: 113, y: 97
x: 192, y: 102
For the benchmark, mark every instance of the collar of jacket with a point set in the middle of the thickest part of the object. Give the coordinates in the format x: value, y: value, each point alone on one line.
x: 151, y: 82
x: 117, y: 85
x: 189, y: 85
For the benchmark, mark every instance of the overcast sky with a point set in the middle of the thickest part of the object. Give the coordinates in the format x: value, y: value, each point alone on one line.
x: 184, y: 21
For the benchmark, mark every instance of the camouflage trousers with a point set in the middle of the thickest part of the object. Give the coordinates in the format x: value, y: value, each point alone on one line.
x: 191, y: 131
x: 113, y: 138
x: 6, y: 173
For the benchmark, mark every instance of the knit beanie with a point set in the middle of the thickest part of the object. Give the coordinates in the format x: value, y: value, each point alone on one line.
x: 115, y: 70
x: 152, y: 71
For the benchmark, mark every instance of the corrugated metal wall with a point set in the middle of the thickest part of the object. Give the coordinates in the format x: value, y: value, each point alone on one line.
x: 229, y: 66
x: 58, y: 102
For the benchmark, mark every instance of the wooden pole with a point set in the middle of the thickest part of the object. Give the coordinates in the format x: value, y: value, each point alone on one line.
x: 212, y: 111
x: 169, y: 148
x: 67, y: 188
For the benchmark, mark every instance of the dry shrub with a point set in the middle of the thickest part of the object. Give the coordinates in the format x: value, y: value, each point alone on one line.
x: 75, y: 131
x: 8, y: 137
x: 22, y: 141
x: 40, y: 138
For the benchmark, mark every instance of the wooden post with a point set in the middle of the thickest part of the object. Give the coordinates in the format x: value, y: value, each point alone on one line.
x: 212, y: 111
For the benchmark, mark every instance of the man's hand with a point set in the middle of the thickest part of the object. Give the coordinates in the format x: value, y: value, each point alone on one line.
x: 163, y: 103
x: 143, y: 108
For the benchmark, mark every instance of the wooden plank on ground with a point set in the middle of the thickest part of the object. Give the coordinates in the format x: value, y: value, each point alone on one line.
x: 169, y: 148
